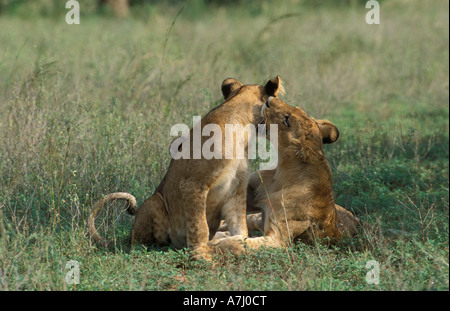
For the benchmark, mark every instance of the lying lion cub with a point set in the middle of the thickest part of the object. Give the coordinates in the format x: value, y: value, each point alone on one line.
x: 297, y: 198
x: 187, y: 206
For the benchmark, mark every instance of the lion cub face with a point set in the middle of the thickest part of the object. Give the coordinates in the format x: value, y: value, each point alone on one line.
x: 299, y: 136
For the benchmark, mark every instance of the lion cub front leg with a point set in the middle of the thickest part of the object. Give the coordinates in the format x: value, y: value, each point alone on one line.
x: 197, y: 230
x: 198, y: 234
x: 234, y: 211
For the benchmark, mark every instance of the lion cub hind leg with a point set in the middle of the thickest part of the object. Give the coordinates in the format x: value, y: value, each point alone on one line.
x: 346, y: 222
x: 254, y: 223
x: 221, y: 235
x: 151, y: 225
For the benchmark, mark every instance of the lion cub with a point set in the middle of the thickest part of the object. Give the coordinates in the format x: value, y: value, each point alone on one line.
x: 296, y: 198
x: 187, y: 206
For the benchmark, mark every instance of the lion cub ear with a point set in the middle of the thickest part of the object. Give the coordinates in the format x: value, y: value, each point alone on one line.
x: 328, y: 130
x: 274, y: 87
x: 229, y: 87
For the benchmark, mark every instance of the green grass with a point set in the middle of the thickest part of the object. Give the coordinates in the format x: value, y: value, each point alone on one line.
x: 86, y: 110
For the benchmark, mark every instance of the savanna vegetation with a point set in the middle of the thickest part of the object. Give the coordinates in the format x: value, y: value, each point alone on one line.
x: 86, y: 110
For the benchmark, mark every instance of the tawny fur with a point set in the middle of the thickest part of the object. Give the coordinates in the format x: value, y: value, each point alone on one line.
x: 195, y: 194
x: 296, y: 198
x: 98, y: 207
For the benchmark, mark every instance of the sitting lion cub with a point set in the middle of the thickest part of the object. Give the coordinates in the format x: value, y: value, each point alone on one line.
x: 296, y: 198
x: 187, y: 206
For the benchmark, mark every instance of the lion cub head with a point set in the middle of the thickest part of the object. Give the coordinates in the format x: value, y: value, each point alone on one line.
x: 300, y: 136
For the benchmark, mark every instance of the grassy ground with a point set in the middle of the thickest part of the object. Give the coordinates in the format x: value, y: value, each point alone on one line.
x: 86, y: 110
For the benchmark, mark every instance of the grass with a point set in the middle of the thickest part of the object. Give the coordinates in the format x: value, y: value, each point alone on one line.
x: 86, y: 110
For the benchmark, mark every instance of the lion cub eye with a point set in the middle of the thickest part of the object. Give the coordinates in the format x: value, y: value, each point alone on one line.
x: 286, y: 120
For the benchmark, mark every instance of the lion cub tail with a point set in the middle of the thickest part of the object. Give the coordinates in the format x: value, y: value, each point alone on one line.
x: 98, y: 207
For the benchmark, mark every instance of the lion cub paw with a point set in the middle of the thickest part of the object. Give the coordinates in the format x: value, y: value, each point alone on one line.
x: 234, y: 244
x: 201, y: 253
